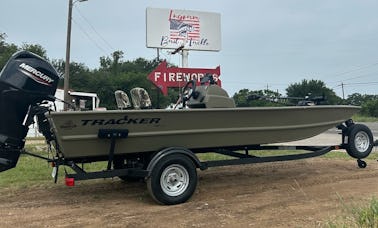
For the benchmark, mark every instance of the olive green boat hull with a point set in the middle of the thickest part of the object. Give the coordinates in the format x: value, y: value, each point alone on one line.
x: 153, y: 130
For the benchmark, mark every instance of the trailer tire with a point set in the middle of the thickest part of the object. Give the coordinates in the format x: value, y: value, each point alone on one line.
x: 361, y: 164
x: 360, y: 141
x: 173, y: 179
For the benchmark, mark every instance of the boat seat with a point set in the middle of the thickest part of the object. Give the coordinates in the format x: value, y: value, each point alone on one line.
x: 123, y: 101
x: 140, y: 98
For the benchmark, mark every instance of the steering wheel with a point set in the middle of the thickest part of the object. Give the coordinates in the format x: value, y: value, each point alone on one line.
x: 188, y: 91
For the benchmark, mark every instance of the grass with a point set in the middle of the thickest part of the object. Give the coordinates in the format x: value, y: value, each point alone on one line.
x: 343, y: 155
x: 31, y: 171
x: 360, y: 118
x: 365, y: 216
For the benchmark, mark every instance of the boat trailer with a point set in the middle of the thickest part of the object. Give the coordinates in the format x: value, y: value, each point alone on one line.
x: 171, y: 173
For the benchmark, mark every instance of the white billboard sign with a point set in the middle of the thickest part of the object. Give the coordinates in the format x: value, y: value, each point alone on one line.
x: 171, y: 29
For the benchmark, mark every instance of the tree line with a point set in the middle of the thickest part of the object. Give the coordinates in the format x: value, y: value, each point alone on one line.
x: 306, y: 90
x: 115, y: 73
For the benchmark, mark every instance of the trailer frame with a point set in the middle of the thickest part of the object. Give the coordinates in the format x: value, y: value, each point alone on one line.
x: 182, y: 161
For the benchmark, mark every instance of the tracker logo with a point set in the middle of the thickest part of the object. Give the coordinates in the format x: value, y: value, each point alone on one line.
x: 36, y: 75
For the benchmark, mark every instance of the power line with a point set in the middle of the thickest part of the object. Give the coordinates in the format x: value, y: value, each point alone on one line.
x: 361, y: 76
x: 354, y: 84
x: 353, y: 70
x: 93, y: 28
x: 355, y: 77
x: 89, y: 37
x: 361, y: 83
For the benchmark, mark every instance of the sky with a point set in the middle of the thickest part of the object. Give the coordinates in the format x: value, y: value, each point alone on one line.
x: 264, y: 44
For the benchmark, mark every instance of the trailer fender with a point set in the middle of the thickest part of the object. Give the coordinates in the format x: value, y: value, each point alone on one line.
x: 174, y: 150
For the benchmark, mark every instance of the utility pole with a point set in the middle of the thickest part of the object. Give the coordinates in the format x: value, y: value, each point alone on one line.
x: 185, y: 54
x: 342, y: 88
x: 67, y: 64
x: 66, y: 86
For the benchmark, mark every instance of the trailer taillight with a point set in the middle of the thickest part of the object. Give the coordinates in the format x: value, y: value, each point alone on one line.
x: 70, y: 182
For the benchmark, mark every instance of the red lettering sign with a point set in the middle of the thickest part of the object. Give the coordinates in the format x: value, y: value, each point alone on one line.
x: 164, y: 77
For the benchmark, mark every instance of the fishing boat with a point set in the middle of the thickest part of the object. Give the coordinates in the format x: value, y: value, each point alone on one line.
x: 155, y: 144
x: 152, y: 130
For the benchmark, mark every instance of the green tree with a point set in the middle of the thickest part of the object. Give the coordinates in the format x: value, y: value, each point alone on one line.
x: 370, y: 108
x: 257, y: 98
x: 360, y: 99
x: 112, y: 64
x: 241, y: 98
x: 369, y: 103
x: 355, y: 99
x: 116, y: 74
x: 79, y: 74
x: 312, y: 88
x: 6, y: 50
x: 35, y: 48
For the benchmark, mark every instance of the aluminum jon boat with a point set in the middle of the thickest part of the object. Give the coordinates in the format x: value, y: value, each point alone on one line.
x: 159, y: 146
x: 152, y: 130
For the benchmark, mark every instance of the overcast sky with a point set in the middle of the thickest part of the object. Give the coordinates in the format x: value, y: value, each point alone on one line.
x: 270, y: 43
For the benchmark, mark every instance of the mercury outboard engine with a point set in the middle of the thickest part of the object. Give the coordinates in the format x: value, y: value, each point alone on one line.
x: 25, y: 82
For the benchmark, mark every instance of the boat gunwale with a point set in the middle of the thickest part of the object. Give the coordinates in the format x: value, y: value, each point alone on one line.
x: 202, y: 131
x: 204, y: 110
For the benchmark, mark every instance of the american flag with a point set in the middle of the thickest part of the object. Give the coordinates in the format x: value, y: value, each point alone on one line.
x: 186, y: 28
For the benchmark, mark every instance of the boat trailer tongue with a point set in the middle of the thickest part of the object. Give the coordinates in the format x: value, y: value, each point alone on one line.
x: 25, y: 82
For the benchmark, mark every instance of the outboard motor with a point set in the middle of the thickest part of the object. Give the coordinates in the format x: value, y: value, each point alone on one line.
x: 25, y: 81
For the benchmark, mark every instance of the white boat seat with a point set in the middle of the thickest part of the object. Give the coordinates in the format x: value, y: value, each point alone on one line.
x: 140, y: 98
x: 123, y: 101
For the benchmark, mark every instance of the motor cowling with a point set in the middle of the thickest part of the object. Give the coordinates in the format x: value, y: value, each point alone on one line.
x: 25, y: 81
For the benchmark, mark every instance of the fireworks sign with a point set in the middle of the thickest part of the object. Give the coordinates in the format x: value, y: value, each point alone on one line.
x: 164, y: 77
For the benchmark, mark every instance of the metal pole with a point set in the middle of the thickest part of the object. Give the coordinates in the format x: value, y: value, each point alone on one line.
x: 185, y: 54
x: 67, y: 64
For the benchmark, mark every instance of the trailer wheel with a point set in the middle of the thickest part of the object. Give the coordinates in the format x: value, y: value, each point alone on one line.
x: 173, y: 179
x: 360, y: 141
x: 361, y: 164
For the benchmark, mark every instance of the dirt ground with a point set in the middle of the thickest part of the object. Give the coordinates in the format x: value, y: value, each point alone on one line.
x: 304, y: 193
